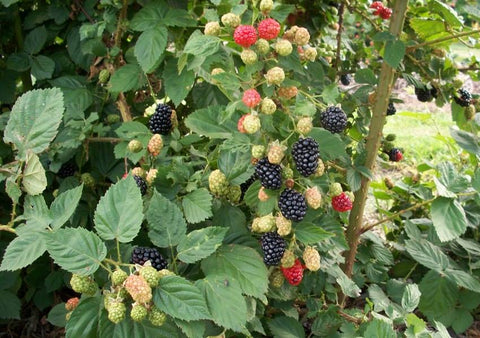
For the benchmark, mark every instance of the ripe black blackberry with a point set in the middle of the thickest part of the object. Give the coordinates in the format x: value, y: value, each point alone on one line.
x: 161, y: 120
x: 395, y: 155
x: 423, y: 94
x: 305, y: 155
x: 464, y: 99
x: 391, y: 109
x: 345, y: 79
x: 273, y: 247
x: 66, y: 170
x: 142, y: 254
x: 434, y: 92
x: 334, y: 119
x: 245, y: 185
x: 292, y: 205
x: 270, y: 175
x: 141, y: 184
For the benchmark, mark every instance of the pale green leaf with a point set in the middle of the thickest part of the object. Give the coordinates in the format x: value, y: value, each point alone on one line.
x: 304, y: 107
x: 34, y: 179
x: 150, y: 47
x: 200, y: 244
x: 243, y: 264
x: 23, y: 251
x: 426, y: 27
x: 309, y: 233
x: 379, y: 328
x: 34, y: 120
x: 427, y: 254
x: 197, y: 206
x: 76, y: 250
x: 179, y: 298
x: 285, y: 327
x: 446, y: 12
x: 64, y: 206
x: 449, y: 219
x: 36, y: 213
x: 466, y: 140
x: 463, y: 279
x: 8, y: 3
x: 411, y: 297
x: 119, y: 212
x: 347, y: 285
x: 166, y: 224
x: 225, y: 301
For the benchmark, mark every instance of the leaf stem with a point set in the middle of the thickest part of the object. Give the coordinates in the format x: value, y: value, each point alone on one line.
x: 7, y: 228
x: 439, y: 40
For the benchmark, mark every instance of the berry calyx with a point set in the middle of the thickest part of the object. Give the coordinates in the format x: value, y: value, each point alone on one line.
x: 268, y: 29
x: 245, y: 35
x: 292, y: 205
x: 273, y: 247
x: 251, y: 98
x: 341, y: 202
x: 294, y: 274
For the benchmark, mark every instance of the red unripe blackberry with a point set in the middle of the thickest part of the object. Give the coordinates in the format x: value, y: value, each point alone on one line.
x: 273, y: 247
x: 161, y: 120
x: 305, y: 154
x: 142, y: 254
x: 270, y: 175
x: 268, y: 29
x: 292, y: 205
x: 385, y: 13
x: 395, y: 155
x: 342, y: 202
x: 245, y: 35
x: 334, y: 119
x: 294, y: 274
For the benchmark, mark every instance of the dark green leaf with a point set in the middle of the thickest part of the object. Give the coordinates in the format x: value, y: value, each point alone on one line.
x: 330, y: 145
x: 177, y: 85
x: 64, y: 206
x: 285, y: 327
x: 126, y: 78
x: 197, y: 206
x: 365, y: 75
x: 201, y: 45
x: 207, y: 122
x: 23, y: 251
x: 200, y: 244
x: 394, y: 52
x: 42, y: 67
x: 35, y: 40
x: 10, y: 305
x: 150, y: 47
x: 84, y: 319
x: 439, y: 295
x: 427, y: 254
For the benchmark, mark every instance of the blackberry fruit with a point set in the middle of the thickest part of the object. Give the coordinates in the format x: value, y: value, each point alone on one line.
x: 245, y: 185
x: 395, y: 155
x: 305, y: 155
x: 273, y: 247
x: 391, y: 109
x: 269, y: 174
x: 161, y: 120
x: 141, y: 184
x: 66, y: 170
x: 334, y: 119
x: 142, y: 254
x: 292, y: 205
x: 464, y: 99
x: 345, y: 79
x: 423, y: 94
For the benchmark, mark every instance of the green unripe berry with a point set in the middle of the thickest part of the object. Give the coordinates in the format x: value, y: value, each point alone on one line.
x: 156, y: 317
x: 113, y: 118
x: 88, y: 180
x: 391, y: 137
x: 335, y: 189
x: 135, y: 146
x: 258, y: 151
x: 138, y: 313
x: 150, y: 274
x: 263, y: 47
x: 248, y: 56
x: 118, y: 277
x: 116, y: 312
x: 103, y: 76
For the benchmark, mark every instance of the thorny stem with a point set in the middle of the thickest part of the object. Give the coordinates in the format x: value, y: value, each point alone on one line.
x: 372, y: 146
x: 446, y: 38
x: 339, y: 36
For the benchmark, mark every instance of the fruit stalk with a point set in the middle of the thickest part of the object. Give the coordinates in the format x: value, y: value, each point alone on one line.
x: 384, y: 90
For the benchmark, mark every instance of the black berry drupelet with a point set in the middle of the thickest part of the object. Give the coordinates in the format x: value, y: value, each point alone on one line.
x: 345, y: 79
x: 273, y: 247
x: 423, y: 94
x: 391, y: 109
x: 270, y: 175
x: 292, y: 205
x: 67, y: 169
x: 245, y: 185
x: 305, y: 155
x: 161, y: 120
x: 141, y: 184
x: 334, y: 119
x: 142, y: 254
x: 464, y: 97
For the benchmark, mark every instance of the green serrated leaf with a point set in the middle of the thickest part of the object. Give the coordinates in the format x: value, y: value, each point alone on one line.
x: 330, y: 145
x: 427, y: 254
x: 34, y: 179
x: 466, y: 140
x: 207, y: 122
x: 225, y: 301
x: 285, y: 327
x: 449, y: 219
x: 304, y: 107
x: 57, y: 315
x: 309, y: 233
x: 365, y: 75
x: 348, y: 286
x: 394, y: 52
x: 179, y: 298
x: 243, y: 264
x: 463, y: 279
x: 411, y: 297
x: 379, y: 328
x: 119, y: 212
x: 197, y: 206
x: 193, y: 328
x: 426, y: 27
x: 64, y: 206
x: 36, y: 214
x: 439, y: 295
x: 179, y: 18
x: 126, y: 78
x: 35, y: 40
x: 177, y: 85
x: 42, y: 67
x: 149, y: 16
x: 76, y: 250
x: 10, y: 305
x: 446, y: 12
x: 84, y: 319
x: 234, y: 165
x: 34, y: 120
x: 166, y: 224
x: 200, y: 244
x: 150, y: 47
x: 23, y: 251
x: 330, y: 93
x: 201, y: 45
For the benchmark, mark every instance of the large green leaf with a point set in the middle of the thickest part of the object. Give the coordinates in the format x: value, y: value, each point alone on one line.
x: 199, y: 244
x: 10, y: 305
x: 448, y: 218
x: 243, y: 264
x: 126, y: 78
x: 76, y: 250
x: 35, y: 40
x: 34, y: 120
x: 225, y: 301
x: 36, y: 213
x: 446, y: 12
x: 427, y: 254
x: 347, y: 285
x: 463, y: 279
x: 42, y: 67
x: 411, y: 297
x: 379, y: 328
x: 394, y: 52
x: 207, y: 122
x: 201, y: 45
x: 439, y: 295
x: 285, y: 327
x: 197, y: 205
x: 177, y: 85
x: 23, y: 250
x: 83, y: 321
x: 309, y: 233
x: 234, y: 165
x: 34, y: 179
x: 150, y: 47
x: 179, y: 298
x: 64, y: 206
x: 119, y: 213
x: 466, y: 140
x: 330, y: 145
x: 166, y: 224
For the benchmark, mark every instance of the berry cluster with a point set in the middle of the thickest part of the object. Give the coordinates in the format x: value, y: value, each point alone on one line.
x: 305, y: 154
x: 380, y: 10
